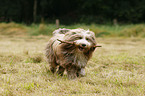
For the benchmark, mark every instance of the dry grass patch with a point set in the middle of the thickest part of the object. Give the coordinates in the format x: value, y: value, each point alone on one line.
x: 12, y: 29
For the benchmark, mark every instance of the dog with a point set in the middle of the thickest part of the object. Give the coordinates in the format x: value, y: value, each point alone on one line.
x: 70, y: 50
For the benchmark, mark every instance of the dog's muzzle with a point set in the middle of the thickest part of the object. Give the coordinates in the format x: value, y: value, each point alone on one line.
x: 82, y: 47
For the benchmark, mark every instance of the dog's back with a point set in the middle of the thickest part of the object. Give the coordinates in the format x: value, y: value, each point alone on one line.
x: 60, y: 31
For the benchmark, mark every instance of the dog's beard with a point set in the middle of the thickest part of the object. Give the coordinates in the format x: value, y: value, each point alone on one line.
x: 75, y: 55
x: 82, y: 49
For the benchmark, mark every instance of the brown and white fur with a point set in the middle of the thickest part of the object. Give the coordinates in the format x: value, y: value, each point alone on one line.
x: 70, y: 57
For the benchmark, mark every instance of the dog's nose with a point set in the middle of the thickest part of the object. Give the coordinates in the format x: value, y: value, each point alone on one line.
x: 83, y: 45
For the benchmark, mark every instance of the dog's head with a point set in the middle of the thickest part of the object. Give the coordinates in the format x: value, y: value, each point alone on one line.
x: 84, y: 40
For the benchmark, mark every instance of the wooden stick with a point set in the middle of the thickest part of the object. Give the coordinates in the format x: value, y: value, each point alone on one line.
x: 98, y: 46
x: 66, y: 42
x: 72, y: 43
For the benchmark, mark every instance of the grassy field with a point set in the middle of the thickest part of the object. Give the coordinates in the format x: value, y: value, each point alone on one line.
x: 116, y: 69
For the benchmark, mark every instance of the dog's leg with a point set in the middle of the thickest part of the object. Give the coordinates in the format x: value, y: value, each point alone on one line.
x: 53, y: 67
x: 72, y: 72
x: 60, y: 70
x: 81, y: 72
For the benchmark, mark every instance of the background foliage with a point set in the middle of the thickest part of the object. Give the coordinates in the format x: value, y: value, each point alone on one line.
x: 72, y: 11
x: 100, y: 30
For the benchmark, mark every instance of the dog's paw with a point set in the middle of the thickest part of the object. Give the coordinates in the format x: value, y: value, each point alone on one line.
x: 82, y: 72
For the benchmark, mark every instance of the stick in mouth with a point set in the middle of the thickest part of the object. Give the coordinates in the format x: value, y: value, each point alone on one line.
x: 72, y: 43
x: 97, y: 46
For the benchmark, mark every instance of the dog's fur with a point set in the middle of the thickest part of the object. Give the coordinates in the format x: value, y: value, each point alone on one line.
x: 72, y: 57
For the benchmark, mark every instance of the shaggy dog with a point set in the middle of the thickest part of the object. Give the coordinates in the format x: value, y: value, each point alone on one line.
x: 70, y: 49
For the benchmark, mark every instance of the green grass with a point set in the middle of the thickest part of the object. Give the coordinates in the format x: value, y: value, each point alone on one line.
x: 133, y: 30
x: 130, y: 30
x: 116, y: 69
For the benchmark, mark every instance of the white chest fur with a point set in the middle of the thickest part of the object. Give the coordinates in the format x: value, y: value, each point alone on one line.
x: 80, y: 60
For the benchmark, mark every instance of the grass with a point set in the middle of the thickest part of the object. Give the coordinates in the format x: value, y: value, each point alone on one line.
x: 130, y: 30
x: 116, y: 69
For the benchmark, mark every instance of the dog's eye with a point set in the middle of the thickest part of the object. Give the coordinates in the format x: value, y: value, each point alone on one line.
x: 80, y: 37
x: 87, y: 39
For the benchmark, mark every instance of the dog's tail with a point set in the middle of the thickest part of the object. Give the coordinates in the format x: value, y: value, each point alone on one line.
x: 60, y: 31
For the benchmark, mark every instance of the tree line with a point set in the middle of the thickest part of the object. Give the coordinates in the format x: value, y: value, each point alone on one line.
x: 72, y: 11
